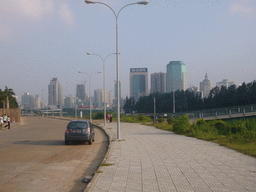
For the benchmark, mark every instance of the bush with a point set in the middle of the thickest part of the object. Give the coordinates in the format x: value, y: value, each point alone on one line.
x: 143, y: 118
x: 160, y: 120
x: 200, y: 122
x: 221, y: 126
x: 99, y: 115
x: 170, y: 120
x: 182, y: 125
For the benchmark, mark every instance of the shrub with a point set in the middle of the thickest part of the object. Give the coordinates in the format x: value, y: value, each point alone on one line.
x: 221, y: 126
x: 170, y: 120
x: 200, y: 122
x: 160, y: 120
x: 182, y: 125
x: 143, y: 118
x: 99, y: 115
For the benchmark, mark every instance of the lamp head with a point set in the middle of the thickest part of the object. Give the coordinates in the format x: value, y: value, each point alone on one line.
x: 80, y: 72
x: 89, y: 53
x: 142, y: 2
x: 89, y: 2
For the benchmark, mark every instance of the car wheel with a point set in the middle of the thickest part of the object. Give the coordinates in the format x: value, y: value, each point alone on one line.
x: 90, y: 141
x: 93, y: 138
x: 66, y: 142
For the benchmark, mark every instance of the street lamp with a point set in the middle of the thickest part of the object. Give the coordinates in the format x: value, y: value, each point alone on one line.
x: 117, y: 60
x: 104, y: 87
x: 90, y: 91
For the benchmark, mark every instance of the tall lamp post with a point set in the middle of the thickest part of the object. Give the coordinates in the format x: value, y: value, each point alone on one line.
x: 104, y: 87
x: 90, y: 91
x: 117, y: 60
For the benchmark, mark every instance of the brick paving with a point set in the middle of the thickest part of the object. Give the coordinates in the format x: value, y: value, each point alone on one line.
x: 148, y: 159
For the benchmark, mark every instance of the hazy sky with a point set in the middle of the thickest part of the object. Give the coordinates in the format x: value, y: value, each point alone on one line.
x: 43, y: 39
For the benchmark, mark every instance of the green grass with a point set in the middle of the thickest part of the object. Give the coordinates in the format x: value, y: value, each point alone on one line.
x: 238, y: 135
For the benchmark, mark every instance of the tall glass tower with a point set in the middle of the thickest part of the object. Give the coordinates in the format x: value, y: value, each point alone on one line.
x: 176, y: 76
x: 138, y: 82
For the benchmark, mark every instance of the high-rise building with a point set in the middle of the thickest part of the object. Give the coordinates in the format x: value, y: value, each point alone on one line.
x: 225, y: 83
x: 27, y: 100
x: 68, y: 102
x: 205, y: 86
x: 80, y: 92
x: 38, y: 103
x: 176, y: 76
x: 98, y: 97
x: 55, y: 93
x: 138, y: 82
x: 158, y: 82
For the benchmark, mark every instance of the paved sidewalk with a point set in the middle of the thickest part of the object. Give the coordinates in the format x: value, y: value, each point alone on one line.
x: 149, y: 159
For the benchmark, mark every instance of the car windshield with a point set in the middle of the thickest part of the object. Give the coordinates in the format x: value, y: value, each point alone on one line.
x: 79, y: 125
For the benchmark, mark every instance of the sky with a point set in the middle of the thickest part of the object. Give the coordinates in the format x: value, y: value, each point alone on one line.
x: 45, y: 39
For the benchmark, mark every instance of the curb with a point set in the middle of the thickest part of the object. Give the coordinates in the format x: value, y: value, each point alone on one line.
x: 111, y: 136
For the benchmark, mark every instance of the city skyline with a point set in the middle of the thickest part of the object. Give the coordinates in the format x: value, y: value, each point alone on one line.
x: 45, y: 39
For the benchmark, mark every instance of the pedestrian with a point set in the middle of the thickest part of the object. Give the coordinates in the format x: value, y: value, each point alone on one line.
x: 5, y: 118
x: 110, y: 117
x: 8, y: 122
x: 1, y: 121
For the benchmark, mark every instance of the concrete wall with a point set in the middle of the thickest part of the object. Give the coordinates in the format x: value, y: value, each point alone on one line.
x: 13, y: 113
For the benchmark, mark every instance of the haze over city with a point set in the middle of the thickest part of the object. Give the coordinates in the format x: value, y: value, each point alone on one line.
x: 44, y: 39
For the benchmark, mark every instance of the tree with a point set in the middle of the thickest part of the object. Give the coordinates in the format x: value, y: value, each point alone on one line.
x: 7, y: 99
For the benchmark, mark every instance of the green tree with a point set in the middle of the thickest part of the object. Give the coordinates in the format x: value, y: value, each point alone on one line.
x: 7, y: 99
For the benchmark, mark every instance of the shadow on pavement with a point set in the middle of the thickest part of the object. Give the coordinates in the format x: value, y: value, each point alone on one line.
x: 41, y: 142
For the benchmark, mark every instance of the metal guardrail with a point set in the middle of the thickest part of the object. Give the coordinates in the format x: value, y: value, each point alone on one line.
x: 215, y: 113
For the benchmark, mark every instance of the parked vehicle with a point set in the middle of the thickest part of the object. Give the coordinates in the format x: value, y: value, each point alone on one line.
x: 79, y: 130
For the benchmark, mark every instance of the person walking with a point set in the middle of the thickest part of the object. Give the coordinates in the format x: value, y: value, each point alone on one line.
x: 110, y: 117
x: 1, y: 121
x: 5, y: 118
x: 8, y: 122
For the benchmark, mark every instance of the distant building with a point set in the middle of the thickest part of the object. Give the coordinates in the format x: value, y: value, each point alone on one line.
x: 68, y: 102
x: 194, y: 90
x: 55, y: 93
x: 158, y: 82
x: 27, y: 101
x: 38, y: 103
x: 176, y: 76
x: 138, y: 82
x: 80, y: 92
x: 205, y: 87
x: 98, y: 97
x: 225, y: 83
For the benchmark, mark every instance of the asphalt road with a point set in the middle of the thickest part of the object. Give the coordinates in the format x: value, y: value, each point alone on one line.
x: 33, y: 157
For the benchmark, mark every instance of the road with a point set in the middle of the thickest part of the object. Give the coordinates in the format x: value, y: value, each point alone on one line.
x: 33, y: 157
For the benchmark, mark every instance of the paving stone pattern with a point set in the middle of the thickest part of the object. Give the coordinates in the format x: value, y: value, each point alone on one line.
x: 149, y: 159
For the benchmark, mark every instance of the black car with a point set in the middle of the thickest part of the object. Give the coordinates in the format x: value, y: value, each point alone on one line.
x: 79, y: 131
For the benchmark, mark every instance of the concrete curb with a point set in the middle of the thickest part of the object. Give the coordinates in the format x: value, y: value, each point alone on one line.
x: 111, y: 137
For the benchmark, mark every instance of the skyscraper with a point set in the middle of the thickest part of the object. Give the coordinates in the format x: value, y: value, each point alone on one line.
x: 176, y: 76
x: 138, y: 82
x: 27, y: 100
x: 80, y: 92
x: 205, y: 86
x: 158, y: 82
x: 55, y: 93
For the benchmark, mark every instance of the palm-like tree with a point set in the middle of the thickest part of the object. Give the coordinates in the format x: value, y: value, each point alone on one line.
x: 5, y: 96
